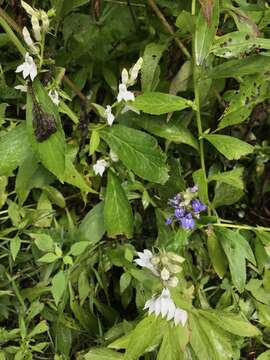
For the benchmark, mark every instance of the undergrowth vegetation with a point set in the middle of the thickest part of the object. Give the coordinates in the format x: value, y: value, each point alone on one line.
x: 134, y: 180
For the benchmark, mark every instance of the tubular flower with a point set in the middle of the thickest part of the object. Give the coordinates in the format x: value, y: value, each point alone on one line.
x: 28, y: 68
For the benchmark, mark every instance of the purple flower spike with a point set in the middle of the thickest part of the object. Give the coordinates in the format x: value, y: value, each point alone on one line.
x: 168, y: 221
x: 188, y: 222
x: 198, y: 206
x: 179, y: 212
x: 194, y: 188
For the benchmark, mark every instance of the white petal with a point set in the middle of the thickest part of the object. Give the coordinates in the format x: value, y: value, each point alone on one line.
x: 33, y: 72
x: 148, y: 253
x: 22, y: 88
x: 19, y: 68
x: 171, y: 310
x: 166, y: 293
x: 164, y: 305
x: 25, y: 71
x: 124, y: 76
x: 180, y: 316
x: 157, y: 306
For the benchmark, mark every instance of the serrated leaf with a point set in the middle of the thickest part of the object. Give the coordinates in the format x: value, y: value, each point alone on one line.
x: 118, y: 215
x: 216, y: 254
x: 157, y: 103
x: 233, y: 177
x: 138, y: 151
x: 231, y: 147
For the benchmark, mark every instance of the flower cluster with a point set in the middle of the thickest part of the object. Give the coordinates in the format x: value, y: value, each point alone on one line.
x: 164, y: 305
x: 164, y: 265
x: 186, y: 208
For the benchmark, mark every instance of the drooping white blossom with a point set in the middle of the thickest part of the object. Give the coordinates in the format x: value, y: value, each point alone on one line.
x: 22, y: 88
x: 28, y: 40
x: 28, y: 68
x: 164, y: 305
x: 36, y: 27
x: 53, y: 94
x: 124, y: 94
x: 144, y: 260
x: 109, y: 115
x: 100, y: 167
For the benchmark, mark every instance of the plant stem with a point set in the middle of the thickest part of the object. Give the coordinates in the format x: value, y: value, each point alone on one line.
x: 4, y: 23
x: 242, y: 227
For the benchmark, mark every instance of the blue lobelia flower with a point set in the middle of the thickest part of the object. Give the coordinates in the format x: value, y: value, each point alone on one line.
x: 179, y: 212
x: 198, y: 206
x: 188, y: 222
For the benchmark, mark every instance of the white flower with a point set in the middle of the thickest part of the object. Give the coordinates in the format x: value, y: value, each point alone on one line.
x: 53, y: 94
x: 134, y: 71
x: 28, y: 67
x: 113, y: 156
x: 22, y: 88
x: 109, y: 116
x: 100, y: 167
x: 164, y: 305
x: 144, y: 260
x: 36, y: 27
x: 28, y: 8
x: 28, y: 40
x: 124, y: 76
x: 124, y: 94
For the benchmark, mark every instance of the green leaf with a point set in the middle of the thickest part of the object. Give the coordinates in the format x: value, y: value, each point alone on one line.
x: 102, y: 354
x: 48, y: 258
x: 43, y: 241
x: 173, y: 343
x: 226, y: 194
x: 118, y: 215
x: 14, y: 148
x: 233, y: 68
x: 199, y: 179
x: 15, y: 245
x: 151, y: 57
x: 59, y: 283
x: 138, y: 151
x: 157, y: 103
x: 51, y: 151
x: 173, y: 130
x: 216, y: 254
x: 230, y: 322
x: 125, y: 281
x: 39, y: 329
x: 233, y: 178
x: 231, y: 147
x: 78, y: 248
x: 264, y: 356
x: 205, y: 34
x: 237, y: 250
x: 92, y: 227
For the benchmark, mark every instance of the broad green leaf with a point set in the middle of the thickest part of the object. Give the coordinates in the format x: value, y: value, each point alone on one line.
x: 39, y: 329
x: 237, y: 250
x: 230, y: 322
x: 43, y: 241
x: 157, y: 103
x: 205, y: 33
x: 59, y: 284
x: 102, y: 354
x: 255, y: 286
x: 233, y: 68
x: 181, y: 80
x: 48, y: 258
x: 125, y: 281
x: 199, y: 179
x: 231, y: 147
x: 63, y: 337
x: 174, y: 342
x: 173, y: 130
x: 78, y: 248
x: 237, y: 44
x: 232, y: 177
x: 151, y: 57
x: 15, y: 245
x: 92, y: 227
x: 263, y: 313
x: 138, y: 151
x: 216, y: 253
x: 226, y: 194
x: 264, y: 356
x: 14, y: 148
x: 51, y: 152
x: 118, y: 215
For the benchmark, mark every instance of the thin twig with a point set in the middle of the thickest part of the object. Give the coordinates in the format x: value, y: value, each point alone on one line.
x: 74, y: 87
x: 168, y: 27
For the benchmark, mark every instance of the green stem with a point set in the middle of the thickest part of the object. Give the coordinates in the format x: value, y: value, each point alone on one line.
x: 11, y: 35
x: 242, y: 227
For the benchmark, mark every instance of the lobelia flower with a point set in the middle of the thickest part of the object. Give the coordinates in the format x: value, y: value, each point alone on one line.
x: 22, y: 88
x: 100, y: 167
x: 188, y: 222
x: 53, y: 94
x: 28, y: 40
x: 144, y: 260
x: 198, y: 206
x: 164, y: 305
x: 109, y: 116
x: 28, y: 68
x: 124, y: 94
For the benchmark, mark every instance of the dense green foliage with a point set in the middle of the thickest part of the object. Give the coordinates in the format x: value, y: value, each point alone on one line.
x: 87, y: 167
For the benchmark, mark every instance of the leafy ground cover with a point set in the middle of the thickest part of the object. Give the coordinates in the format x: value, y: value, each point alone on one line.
x: 134, y: 180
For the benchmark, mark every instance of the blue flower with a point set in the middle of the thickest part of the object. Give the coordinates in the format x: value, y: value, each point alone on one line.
x: 198, y: 206
x: 168, y: 221
x: 188, y: 222
x: 174, y: 202
x: 179, y: 212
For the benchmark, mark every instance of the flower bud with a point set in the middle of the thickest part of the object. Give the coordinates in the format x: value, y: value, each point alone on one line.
x: 155, y: 260
x: 173, y: 281
x: 124, y: 76
x: 36, y: 27
x: 165, y: 260
x: 134, y: 71
x: 28, y: 8
x: 175, y: 257
x: 165, y: 274
x: 45, y: 21
x: 28, y: 40
x: 174, y: 268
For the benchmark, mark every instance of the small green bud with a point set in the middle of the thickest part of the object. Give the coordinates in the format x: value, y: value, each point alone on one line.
x: 173, y: 268
x: 155, y: 260
x: 175, y: 257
